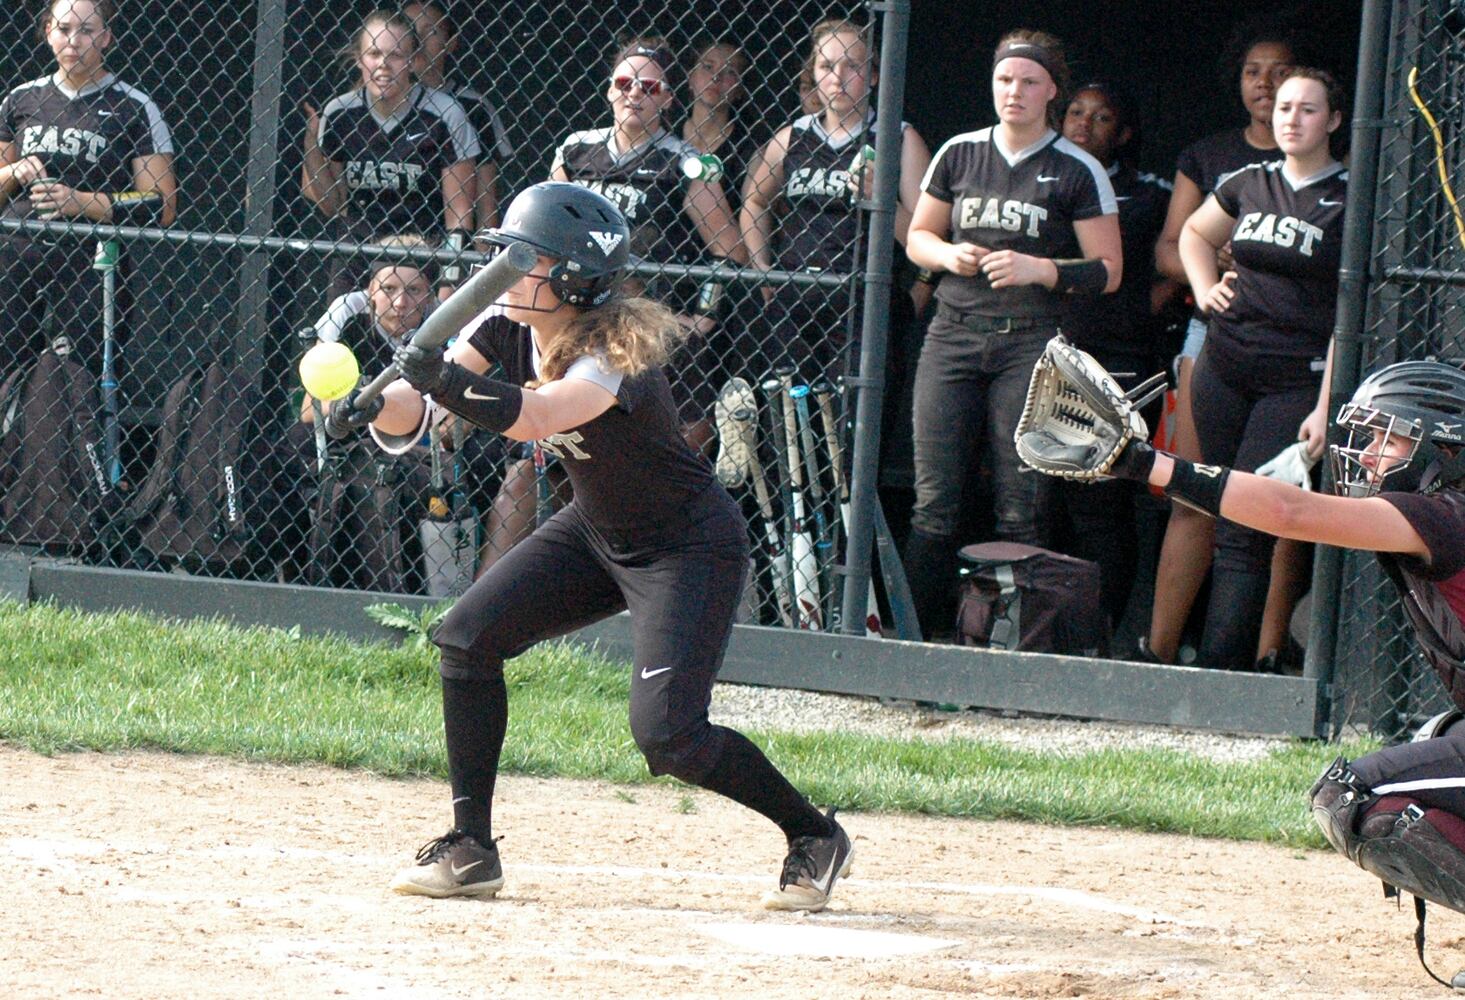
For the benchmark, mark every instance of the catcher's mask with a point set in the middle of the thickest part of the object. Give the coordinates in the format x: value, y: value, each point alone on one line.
x: 1420, y: 402
x: 581, y: 230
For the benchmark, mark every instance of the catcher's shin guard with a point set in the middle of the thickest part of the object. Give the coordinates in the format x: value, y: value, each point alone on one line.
x: 1418, y: 857
x: 1339, y: 799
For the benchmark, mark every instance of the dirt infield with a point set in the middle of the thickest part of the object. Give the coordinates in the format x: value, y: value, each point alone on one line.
x: 144, y: 876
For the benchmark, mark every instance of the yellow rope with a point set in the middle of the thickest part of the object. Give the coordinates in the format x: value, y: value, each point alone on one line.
x: 1439, y: 152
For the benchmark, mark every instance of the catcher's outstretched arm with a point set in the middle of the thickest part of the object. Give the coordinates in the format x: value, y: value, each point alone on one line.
x: 1283, y: 510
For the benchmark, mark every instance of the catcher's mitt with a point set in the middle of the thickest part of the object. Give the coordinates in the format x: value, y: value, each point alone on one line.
x: 1077, y: 419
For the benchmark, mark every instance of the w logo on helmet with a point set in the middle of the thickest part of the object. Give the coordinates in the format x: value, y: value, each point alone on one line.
x: 606, y: 241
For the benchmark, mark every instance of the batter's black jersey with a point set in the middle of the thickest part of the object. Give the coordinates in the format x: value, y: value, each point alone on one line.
x: 86, y: 139
x: 493, y: 139
x: 1287, y: 245
x: 631, y: 471
x: 1433, y: 590
x: 393, y: 167
x: 1207, y: 160
x: 1027, y: 203
x: 818, y: 229
x: 647, y: 184
x: 1122, y: 321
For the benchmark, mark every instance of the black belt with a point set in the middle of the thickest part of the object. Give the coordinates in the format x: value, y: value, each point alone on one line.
x: 996, y: 324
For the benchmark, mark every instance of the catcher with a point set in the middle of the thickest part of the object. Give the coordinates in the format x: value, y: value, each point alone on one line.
x: 1400, y: 480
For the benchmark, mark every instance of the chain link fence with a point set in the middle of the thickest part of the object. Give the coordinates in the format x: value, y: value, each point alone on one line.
x: 279, y: 174
x: 1415, y: 282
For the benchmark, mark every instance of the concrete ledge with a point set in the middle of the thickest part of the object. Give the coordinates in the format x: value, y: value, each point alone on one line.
x: 1025, y: 682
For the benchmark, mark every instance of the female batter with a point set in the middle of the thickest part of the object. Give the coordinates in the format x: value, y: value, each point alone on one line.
x: 1021, y: 224
x: 1260, y: 383
x: 649, y: 530
x: 78, y: 145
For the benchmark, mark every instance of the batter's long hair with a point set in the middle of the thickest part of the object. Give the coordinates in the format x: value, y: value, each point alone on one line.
x: 629, y: 334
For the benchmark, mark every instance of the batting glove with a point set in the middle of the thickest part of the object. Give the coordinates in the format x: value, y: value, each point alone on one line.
x: 345, y: 419
x: 422, y: 367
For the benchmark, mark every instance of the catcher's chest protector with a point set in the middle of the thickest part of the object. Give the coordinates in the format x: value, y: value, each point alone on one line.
x: 1021, y: 597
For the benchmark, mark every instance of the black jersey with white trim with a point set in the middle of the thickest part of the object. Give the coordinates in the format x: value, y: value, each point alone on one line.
x: 86, y: 139
x: 818, y: 229
x: 1287, y: 243
x: 483, y: 116
x: 631, y: 471
x: 1123, y: 321
x: 1205, y: 161
x: 1026, y: 202
x: 646, y: 183
x: 393, y: 166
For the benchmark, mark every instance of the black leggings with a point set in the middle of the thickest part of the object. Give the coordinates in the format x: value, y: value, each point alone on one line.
x: 1244, y: 416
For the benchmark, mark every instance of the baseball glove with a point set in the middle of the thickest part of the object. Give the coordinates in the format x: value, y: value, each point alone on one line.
x: 1077, y: 419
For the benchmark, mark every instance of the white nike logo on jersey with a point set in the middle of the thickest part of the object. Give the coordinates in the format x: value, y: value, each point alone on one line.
x: 646, y: 675
x: 1324, y: 203
x: 459, y: 871
x: 1122, y: 197
x: 468, y: 393
x: 414, y: 136
x: 104, y: 114
x: 1045, y: 180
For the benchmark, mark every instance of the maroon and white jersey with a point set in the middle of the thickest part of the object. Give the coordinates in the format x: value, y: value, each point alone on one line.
x: 1433, y: 589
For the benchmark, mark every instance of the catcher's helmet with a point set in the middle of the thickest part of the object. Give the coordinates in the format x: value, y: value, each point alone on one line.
x: 583, y: 231
x: 1422, y: 401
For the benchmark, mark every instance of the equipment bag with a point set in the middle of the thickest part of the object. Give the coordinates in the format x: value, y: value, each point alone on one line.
x: 55, y: 489
x: 1020, y: 597
x: 367, y: 504
x: 205, y: 498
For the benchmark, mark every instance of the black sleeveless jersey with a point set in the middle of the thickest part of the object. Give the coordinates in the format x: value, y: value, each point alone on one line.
x: 1207, y: 160
x: 1027, y: 203
x: 1122, y: 321
x: 393, y: 167
x: 86, y: 139
x: 818, y: 230
x: 1433, y: 591
x: 631, y: 471
x: 1287, y: 244
x: 646, y: 184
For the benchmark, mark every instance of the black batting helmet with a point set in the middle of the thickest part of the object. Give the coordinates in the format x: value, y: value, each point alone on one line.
x: 581, y: 230
x: 1421, y: 401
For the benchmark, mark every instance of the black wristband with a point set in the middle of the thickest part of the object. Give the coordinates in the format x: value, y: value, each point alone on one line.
x: 1081, y: 277
x: 1199, y: 487
x: 1134, y: 462
x: 926, y: 276
x: 487, y: 402
x: 136, y: 208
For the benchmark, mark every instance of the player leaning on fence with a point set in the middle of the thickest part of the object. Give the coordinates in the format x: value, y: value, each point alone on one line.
x: 76, y: 145
x: 649, y: 530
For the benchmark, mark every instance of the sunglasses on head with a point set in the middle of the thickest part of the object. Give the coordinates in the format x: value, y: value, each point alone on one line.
x: 651, y: 88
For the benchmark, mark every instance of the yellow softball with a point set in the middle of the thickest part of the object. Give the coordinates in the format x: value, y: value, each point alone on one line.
x: 329, y: 371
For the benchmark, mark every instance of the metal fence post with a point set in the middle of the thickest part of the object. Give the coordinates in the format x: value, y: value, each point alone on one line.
x: 870, y: 385
x: 1353, y: 286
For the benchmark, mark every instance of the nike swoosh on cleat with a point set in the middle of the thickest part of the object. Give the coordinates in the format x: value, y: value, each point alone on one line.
x: 468, y: 393
x: 459, y: 871
x: 646, y: 675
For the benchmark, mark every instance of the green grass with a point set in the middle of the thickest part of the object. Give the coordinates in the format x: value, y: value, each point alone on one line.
x: 71, y: 681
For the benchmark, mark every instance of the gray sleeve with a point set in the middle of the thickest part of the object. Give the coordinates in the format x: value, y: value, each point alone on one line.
x: 464, y: 139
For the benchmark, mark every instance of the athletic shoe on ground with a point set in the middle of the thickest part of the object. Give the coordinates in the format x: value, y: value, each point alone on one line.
x: 811, y: 869
x: 736, y: 411
x: 452, y: 865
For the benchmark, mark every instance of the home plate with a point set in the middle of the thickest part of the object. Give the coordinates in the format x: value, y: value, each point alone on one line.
x: 822, y: 942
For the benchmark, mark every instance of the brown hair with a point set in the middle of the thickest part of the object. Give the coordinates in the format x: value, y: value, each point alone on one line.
x: 105, y: 9
x: 1331, y: 88
x: 629, y: 334
x: 833, y: 26
x: 1056, y: 64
